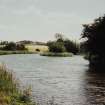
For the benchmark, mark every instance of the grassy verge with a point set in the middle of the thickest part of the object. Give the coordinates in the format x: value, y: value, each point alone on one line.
x: 65, y: 54
x: 15, y: 52
x: 9, y: 91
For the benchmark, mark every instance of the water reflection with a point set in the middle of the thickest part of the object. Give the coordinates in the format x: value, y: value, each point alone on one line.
x: 94, y: 88
x: 67, y: 80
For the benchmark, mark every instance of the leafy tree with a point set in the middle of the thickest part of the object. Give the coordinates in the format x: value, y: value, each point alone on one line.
x: 56, y: 47
x: 71, y: 46
x: 13, y: 46
x: 61, y: 44
x: 3, y: 42
x: 10, y: 46
x: 95, y: 39
x: 20, y: 47
x: 59, y: 37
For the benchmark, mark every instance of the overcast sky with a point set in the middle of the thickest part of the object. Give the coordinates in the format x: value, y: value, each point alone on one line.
x: 41, y: 19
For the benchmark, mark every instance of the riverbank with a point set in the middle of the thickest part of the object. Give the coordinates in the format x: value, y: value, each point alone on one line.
x: 9, y: 91
x: 15, y: 52
x: 65, y: 54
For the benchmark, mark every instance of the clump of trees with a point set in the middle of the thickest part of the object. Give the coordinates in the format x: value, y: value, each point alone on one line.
x: 13, y: 46
x: 71, y: 46
x: 94, y: 35
x: 62, y: 44
x: 3, y: 42
x: 56, y: 46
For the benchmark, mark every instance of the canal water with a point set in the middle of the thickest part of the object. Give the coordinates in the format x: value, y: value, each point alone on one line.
x: 58, y: 80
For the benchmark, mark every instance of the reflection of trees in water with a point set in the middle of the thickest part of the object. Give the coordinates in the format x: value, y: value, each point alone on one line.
x: 95, y: 88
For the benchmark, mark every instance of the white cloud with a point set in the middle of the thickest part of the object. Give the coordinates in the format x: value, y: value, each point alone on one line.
x: 40, y: 19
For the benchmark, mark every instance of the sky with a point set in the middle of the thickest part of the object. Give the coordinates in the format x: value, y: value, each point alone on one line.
x: 39, y: 20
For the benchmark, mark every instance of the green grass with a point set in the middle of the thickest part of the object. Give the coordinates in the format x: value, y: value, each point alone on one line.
x: 15, y: 52
x: 65, y: 54
x: 9, y: 91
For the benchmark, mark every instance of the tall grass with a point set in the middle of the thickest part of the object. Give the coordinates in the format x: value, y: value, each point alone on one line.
x: 9, y: 91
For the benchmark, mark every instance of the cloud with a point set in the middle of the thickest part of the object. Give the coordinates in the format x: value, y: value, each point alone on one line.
x: 41, y: 19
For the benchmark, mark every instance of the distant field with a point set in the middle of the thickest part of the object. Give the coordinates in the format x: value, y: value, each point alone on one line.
x: 36, y: 48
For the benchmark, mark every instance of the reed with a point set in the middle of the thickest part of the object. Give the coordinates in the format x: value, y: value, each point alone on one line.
x: 10, y: 94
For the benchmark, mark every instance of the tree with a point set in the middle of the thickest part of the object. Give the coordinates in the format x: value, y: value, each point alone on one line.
x: 56, y: 47
x: 20, y: 47
x: 59, y: 37
x: 13, y: 46
x: 71, y: 46
x: 95, y: 39
x: 61, y: 44
x: 10, y: 46
x: 3, y: 42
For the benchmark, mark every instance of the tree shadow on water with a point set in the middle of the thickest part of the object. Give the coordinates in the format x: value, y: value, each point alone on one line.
x: 94, y: 87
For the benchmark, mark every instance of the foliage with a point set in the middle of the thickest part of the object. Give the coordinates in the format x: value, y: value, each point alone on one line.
x: 3, y: 42
x: 59, y: 37
x: 15, y: 52
x: 53, y: 54
x: 13, y: 46
x: 9, y: 92
x: 20, y: 47
x: 95, y: 39
x: 63, y: 45
x: 10, y: 46
x: 71, y: 46
x: 56, y: 47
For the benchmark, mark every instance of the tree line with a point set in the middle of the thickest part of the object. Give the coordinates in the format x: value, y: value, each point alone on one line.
x: 12, y: 46
x: 94, y: 35
x: 62, y: 44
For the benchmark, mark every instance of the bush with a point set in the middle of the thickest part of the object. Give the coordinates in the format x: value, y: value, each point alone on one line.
x: 20, y: 47
x: 10, y: 46
x: 64, y: 54
x: 95, y: 39
x: 13, y: 46
x: 56, y: 47
x: 71, y: 46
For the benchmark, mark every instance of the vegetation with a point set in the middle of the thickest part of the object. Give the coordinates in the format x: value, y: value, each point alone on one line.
x: 95, y: 39
x: 3, y: 42
x: 71, y: 46
x: 15, y: 52
x: 61, y: 45
x: 56, y: 47
x: 9, y: 91
x: 65, y: 54
x: 13, y: 46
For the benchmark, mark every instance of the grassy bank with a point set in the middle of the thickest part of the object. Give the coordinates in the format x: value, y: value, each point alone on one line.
x: 65, y: 54
x: 15, y: 52
x: 9, y: 91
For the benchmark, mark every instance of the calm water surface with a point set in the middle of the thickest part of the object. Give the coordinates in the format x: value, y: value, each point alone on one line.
x: 64, y: 80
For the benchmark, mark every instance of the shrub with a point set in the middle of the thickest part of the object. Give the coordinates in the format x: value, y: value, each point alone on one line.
x: 95, y: 39
x: 56, y: 47
x: 10, y: 46
x: 71, y: 46
x: 13, y: 46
